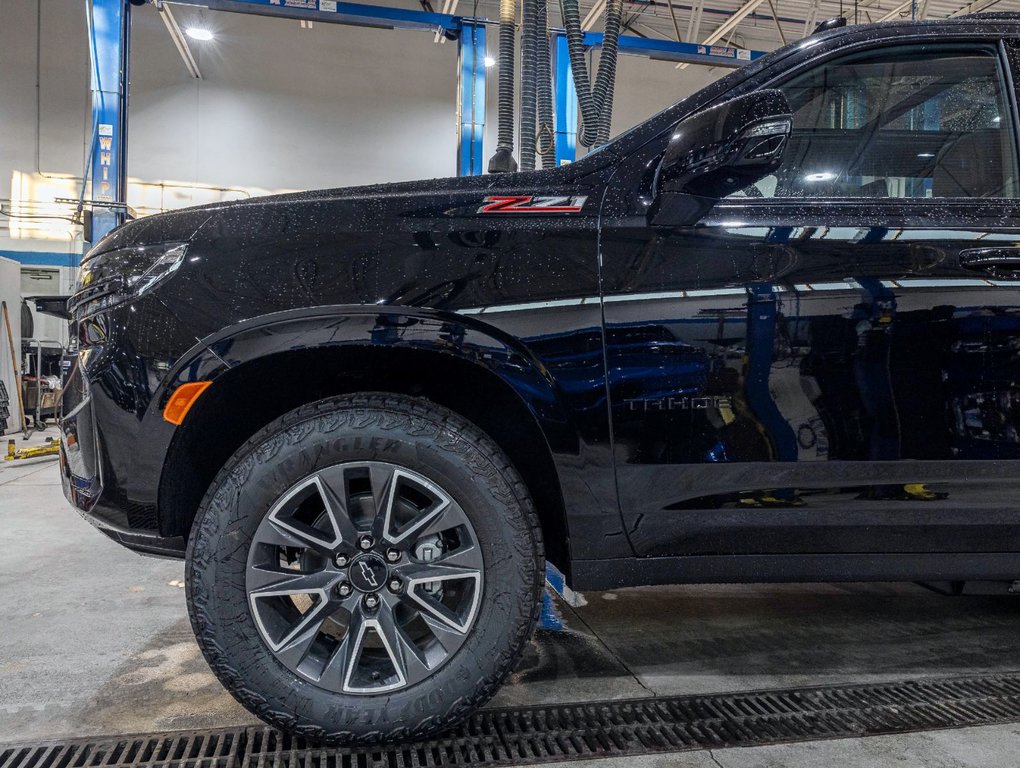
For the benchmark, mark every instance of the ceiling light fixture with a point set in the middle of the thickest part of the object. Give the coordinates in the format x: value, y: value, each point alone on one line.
x: 198, y: 33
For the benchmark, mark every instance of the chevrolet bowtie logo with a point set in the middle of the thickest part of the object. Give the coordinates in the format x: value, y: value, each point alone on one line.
x: 368, y: 574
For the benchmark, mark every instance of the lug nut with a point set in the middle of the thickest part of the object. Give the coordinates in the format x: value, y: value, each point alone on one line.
x: 395, y: 585
x: 371, y: 601
x: 341, y: 560
x: 343, y: 589
x: 366, y: 542
x: 392, y: 555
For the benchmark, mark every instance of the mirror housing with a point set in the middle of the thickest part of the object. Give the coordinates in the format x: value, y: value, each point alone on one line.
x: 719, y: 151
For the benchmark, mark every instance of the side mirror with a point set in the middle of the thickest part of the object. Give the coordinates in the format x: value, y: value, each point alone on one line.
x: 719, y: 151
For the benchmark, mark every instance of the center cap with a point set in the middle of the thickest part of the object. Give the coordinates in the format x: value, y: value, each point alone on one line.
x: 368, y: 573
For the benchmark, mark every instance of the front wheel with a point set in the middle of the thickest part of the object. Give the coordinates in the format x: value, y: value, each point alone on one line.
x: 366, y: 569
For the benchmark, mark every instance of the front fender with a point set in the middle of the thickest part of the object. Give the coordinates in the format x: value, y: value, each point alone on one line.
x: 333, y: 326
x: 563, y: 390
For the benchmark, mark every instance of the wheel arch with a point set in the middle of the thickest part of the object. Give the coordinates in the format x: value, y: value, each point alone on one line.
x: 264, y: 370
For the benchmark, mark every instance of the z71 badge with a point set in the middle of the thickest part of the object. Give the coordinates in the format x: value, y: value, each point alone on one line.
x: 533, y: 204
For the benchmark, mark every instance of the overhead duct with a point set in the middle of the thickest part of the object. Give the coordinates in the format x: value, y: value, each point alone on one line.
x: 596, y: 105
x: 503, y: 161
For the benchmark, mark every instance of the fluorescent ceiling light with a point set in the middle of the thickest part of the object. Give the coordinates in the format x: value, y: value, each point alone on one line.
x: 489, y: 62
x: 198, y: 33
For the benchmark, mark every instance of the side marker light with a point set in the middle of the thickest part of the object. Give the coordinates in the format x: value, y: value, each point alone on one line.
x: 181, y: 401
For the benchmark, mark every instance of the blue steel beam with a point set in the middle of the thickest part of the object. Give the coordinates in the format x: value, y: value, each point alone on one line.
x: 357, y: 14
x: 670, y: 50
x: 471, y: 99
x: 108, y: 28
x: 373, y: 15
x: 566, y: 95
x: 566, y: 102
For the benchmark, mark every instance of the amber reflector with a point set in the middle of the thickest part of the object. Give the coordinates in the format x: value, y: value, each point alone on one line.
x: 182, y: 400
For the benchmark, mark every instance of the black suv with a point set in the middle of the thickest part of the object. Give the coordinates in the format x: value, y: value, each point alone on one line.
x: 771, y: 334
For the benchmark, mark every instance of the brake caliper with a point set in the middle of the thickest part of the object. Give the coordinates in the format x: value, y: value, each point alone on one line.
x: 426, y: 550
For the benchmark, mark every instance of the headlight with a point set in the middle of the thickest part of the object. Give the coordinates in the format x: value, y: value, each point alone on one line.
x: 115, y: 277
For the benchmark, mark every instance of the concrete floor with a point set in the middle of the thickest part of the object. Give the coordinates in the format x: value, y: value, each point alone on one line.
x: 96, y: 640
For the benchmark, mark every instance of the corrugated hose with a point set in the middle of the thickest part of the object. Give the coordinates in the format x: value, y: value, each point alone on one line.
x: 596, y: 105
x: 503, y: 161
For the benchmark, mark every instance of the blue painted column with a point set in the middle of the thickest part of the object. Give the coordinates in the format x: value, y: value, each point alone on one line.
x: 566, y: 103
x: 109, y: 28
x: 471, y: 99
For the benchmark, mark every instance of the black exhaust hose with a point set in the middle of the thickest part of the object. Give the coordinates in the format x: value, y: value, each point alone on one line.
x: 592, y: 105
x: 545, y: 141
x: 503, y: 161
x: 529, y: 74
x: 605, y: 81
x: 575, y: 48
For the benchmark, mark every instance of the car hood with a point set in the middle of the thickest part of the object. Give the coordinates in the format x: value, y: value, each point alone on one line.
x: 182, y: 225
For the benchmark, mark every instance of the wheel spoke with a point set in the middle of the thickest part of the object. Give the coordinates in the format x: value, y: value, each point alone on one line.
x: 451, y: 517
x: 281, y: 516
x: 276, y: 536
x: 393, y: 651
x: 383, y: 480
x: 333, y: 487
x: 427, y: 606
x: 294, y: 648
x: 425, y: 518
x: 307, y: 625
x: 340, y: 665
x: 406, y: 659
x: 267, y: 582
x: 418, y: 574
x: 466, y: 556
x: 448, y: 637
x: 343, y: 666
x: 436, y: 570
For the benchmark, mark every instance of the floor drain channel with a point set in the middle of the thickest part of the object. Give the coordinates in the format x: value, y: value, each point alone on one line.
x: 531, y: 735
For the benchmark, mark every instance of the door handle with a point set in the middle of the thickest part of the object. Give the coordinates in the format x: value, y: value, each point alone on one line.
x: 991, y: 259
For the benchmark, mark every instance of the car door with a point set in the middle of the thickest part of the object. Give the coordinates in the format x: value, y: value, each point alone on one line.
x: 829, y: 361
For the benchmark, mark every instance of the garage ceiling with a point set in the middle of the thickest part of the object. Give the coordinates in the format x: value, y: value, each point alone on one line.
x: 759, y: 29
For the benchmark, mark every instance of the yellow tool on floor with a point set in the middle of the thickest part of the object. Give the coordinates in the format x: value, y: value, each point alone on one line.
x: 52, y: 448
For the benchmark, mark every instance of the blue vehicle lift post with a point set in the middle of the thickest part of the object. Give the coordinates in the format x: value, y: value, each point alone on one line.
x: 471, y: 98
x: 109, y: 24
x: 565, y: 102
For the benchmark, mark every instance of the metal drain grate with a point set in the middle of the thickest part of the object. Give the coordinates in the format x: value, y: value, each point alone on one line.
x: 569, y: 731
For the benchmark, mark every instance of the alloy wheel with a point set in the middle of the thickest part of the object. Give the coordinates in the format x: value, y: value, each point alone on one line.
x: 364, y: 577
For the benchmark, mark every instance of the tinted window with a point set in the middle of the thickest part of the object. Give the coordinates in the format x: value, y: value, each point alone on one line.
x: 899, y: 123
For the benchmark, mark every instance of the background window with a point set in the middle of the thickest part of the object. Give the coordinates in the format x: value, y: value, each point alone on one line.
x: 902, y: 124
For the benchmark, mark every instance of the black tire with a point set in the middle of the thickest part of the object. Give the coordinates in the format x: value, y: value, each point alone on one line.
x: 403, y: 431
